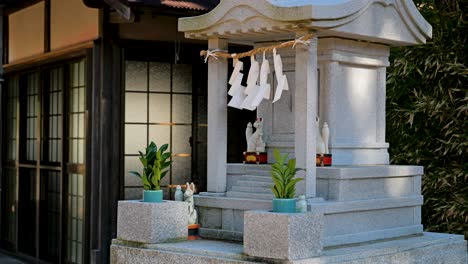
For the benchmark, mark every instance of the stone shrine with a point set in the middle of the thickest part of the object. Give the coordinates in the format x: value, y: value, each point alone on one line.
x: 371, y: 210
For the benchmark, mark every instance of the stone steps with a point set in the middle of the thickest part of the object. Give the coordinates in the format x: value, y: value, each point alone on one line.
x: 251, y: 189
x: 259, y: 196
x: 252, y: 181
x: 255, y: 178
x: 260, y: 172
x: 255, y: 184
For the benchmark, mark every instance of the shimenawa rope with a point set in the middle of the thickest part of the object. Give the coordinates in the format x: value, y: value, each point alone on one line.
x: 304, y: 40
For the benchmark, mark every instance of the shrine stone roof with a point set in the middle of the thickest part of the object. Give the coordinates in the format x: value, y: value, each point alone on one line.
x: 392, y: 22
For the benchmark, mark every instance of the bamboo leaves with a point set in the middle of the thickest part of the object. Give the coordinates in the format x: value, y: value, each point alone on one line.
x: 283, y: 176
x: 427, y: 114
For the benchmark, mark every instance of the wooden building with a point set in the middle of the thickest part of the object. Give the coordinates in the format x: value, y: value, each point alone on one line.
x: 86, y: 84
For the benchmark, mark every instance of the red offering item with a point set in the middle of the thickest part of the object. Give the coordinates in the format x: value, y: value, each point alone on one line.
x: 193, y: 232
x: 323, y: 160
x: 255, y: 157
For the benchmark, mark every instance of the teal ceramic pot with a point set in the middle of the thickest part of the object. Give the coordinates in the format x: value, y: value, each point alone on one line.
x: 151, y: 196
x: 284, y: 205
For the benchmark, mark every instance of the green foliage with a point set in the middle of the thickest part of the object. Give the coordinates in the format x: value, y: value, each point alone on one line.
x: 427, y: 114
x: 283, y: 176
x: 155, y: 166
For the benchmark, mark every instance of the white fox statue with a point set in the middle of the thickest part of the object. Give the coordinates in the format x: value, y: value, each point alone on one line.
x: 321, y: 138
x: 188, y: 197
x: 255, y: 141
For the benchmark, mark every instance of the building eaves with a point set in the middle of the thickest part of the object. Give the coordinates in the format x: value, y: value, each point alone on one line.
x: 201, y: 5
x: 204, y: 5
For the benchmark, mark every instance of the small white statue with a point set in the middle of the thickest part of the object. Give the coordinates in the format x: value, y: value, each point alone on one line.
x: 255, y: 141
x: 322, y: 138
x: 325, y: 136
x: 301, y: 206
x: 188, y: 197
x: 248, y: 132
x: 179, y: 195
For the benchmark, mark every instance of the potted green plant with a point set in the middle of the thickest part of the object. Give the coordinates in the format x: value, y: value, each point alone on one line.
x: 155, y: 166
x: 284, y: 189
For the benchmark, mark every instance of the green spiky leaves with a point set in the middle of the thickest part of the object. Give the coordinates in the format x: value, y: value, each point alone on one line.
x: 283, y: 174
x: 155, y: 166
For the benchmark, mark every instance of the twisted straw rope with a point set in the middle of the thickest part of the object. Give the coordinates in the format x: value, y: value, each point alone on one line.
x: 226, y: 55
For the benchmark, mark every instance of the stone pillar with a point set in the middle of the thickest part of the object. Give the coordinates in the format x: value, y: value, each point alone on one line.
x: 217, y: 119
x: 305, y: 111
x: 352, y: 100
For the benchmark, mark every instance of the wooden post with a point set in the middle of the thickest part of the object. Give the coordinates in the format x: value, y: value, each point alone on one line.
x: 217, y: 119
x: 305, y: 111
x: 2, y: 120
x: 105, y: 176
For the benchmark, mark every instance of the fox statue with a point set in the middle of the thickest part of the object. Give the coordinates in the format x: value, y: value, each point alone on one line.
x: 255, y: 141
x: 321, y: 138
x: 188, y: 198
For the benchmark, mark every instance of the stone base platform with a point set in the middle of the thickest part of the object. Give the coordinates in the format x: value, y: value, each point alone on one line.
x: 360, y: 203
x: 429, y: 248
x: 223, y: 218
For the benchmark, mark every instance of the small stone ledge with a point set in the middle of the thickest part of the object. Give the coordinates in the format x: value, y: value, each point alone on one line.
x: 232, y: 203
x: 221, y: 234
x: 364, y: 172
x: 372, y: 236
x: 283, y: 236
x: 337, y: 207
x: 126, y: 243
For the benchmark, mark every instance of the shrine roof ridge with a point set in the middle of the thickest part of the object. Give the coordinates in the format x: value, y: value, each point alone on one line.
x: 391, y: 22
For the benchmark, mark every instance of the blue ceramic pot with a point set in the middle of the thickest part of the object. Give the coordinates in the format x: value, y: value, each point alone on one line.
x: 152, y: 196
x: 284, y: 205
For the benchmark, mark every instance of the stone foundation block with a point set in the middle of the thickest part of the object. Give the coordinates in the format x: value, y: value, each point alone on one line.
x: 283, y: 236
x: 152, y: 222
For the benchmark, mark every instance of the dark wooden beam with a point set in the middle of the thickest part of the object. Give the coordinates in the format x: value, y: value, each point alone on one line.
x: 88, y: 147
x: 93, y: 168
x: 11, y: 6
x: 2, y: 121
x: 94, y: 3
x: 46, y: 26
x: 5, y: 36
x: 106, y: 142
x: 74, y: 51
x: 124, y: 10
x: 105, y: 151
x: 93, y: 157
